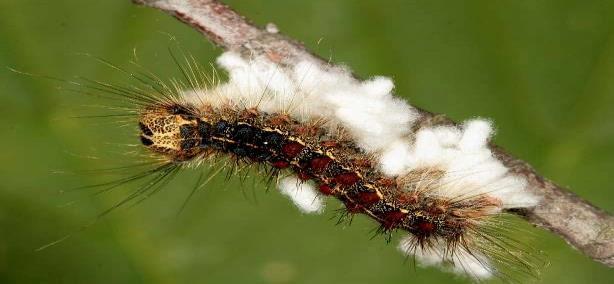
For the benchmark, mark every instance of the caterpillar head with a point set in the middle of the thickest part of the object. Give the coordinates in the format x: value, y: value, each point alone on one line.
x: 171, y: 131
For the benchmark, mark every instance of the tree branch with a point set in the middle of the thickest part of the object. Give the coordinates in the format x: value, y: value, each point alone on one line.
x: 584, y: 226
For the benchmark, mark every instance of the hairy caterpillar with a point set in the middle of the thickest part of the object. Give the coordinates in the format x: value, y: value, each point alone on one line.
x: 322, y: 133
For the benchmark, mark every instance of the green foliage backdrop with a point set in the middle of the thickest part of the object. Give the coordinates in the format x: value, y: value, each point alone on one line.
x: 542, y: 70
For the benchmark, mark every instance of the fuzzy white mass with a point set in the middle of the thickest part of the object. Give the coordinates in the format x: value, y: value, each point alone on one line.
x: 304, y: 195
x: 475, y: 264
x: 380, y: 123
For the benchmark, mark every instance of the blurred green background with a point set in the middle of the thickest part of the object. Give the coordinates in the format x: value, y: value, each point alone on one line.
x: 543, y: 70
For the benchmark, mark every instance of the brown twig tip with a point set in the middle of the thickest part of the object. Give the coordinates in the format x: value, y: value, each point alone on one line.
x: 227, y: 29
x: 582, y: 225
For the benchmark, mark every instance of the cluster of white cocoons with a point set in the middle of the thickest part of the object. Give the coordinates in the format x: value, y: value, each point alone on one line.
x: 379, y: 123
x: 302, y: 194
x: 474, y: 264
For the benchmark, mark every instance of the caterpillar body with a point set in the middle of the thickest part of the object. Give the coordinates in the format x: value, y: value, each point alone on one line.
x: 340, y: 169
x: 320, y: 132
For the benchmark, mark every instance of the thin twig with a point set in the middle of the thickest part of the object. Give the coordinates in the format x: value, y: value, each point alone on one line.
x: 582, y: 225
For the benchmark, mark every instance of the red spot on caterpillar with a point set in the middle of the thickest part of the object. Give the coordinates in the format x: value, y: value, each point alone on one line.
x: 292, y: 149
x: 363, y: 163
x: 367, y: 198
x: 385, y: 182
x: 319, y: 164
x: 303, y: 176
x: 306, y: 130
x: 326, y: 189
x: 425, y: 227
x: 393, y: 219
x: 281, y: 164
x: 436, y: 209
x: 347, y: 179
x: 280, y: 119
x: 407, y: 198
x: 249, y: 113
x: 352, y: 207
x: 329, y: 144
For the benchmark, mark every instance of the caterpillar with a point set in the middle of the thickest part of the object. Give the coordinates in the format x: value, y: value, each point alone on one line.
x: 318, y: 132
